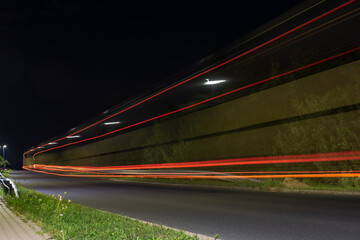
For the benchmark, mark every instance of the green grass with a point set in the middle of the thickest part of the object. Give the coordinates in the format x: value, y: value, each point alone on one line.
x: 343, y: 185
x: 65, y: 220
x: 263, y: 184
x: 5, y: 173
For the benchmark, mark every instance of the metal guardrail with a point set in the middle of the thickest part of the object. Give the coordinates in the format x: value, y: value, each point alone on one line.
x: 8, y: 186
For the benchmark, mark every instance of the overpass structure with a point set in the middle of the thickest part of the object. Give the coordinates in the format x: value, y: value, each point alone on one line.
x: 282, y: 101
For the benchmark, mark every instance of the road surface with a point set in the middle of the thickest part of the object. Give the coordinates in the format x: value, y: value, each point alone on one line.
x: 231, y: 214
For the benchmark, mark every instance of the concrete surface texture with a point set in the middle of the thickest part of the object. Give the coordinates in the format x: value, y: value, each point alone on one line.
x: 13, y: 228
x: 229, y: 134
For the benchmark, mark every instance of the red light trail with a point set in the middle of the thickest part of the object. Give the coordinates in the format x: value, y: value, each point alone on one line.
x: 303, y: 175
x: 304, y: 158
x: 334, y: 156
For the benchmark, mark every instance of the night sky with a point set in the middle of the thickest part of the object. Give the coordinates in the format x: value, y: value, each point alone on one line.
x: 63, y: 62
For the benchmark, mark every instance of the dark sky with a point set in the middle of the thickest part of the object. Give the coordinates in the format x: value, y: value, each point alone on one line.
x: 64, y: 61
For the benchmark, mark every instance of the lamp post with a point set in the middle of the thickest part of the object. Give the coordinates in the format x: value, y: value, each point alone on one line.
x: 4, y: 146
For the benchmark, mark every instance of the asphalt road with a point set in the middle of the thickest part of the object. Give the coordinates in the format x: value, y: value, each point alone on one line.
x: 231, y: 214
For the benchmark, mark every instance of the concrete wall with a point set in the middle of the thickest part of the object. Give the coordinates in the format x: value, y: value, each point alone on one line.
x: 260, y: 124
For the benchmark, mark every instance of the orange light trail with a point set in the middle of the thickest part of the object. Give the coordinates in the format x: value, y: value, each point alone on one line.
x: 187, y: 173
x: 315, y: 175
x: 320, y: 157
x: 89, y: 171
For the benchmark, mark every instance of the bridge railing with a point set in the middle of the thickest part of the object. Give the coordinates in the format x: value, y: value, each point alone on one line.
x: 8, y: 186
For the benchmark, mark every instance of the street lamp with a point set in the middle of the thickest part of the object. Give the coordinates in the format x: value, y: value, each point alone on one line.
x: 73, y: 136
x: 111, y: 123
x: 4, y: 146
x: 213, y: 82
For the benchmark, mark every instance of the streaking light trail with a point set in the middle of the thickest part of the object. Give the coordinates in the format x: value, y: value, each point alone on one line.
x: 320, y: 157
x: 315, y: 175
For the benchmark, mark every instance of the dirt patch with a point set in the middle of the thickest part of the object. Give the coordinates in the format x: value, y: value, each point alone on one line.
x: 294, y: 183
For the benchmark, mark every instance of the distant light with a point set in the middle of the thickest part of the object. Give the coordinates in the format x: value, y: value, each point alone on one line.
x: 72, y: 129
x: 4, y: 146
x: 52, y: 143
x: 106, y: 111
x: 111, y: 123
x: 73, y: 136
x: 40, y: 147
x: 32, y: 150
x: 212, y: 82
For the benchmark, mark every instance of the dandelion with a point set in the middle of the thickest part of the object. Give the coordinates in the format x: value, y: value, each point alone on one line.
x: 61, y: 215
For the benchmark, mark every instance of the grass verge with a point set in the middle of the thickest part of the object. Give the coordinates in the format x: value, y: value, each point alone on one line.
x: 273, y: 184
x: 261, y: 185
x: 65, y: 220
x: 343, y: 185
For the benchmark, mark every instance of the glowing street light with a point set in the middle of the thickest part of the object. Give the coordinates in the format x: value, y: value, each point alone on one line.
x: 213, y: 82
x: 52, y: 143
x: 73, y: 136
x: 3, y: 147
x: 111, y: 123
x: 72, y: 129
